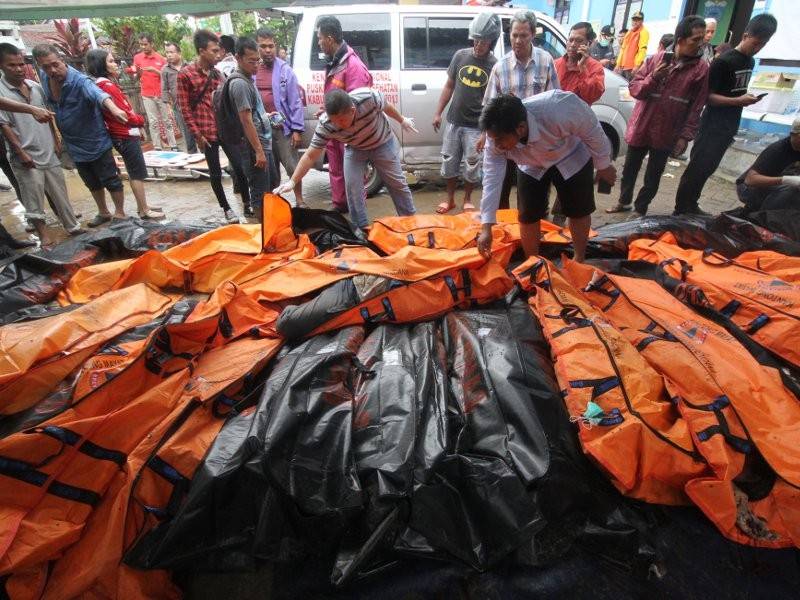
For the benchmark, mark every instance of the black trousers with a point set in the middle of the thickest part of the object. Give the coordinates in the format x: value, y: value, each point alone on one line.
x: 656, y: 164
x: 709, y: 148
x: 5, y: 166
x: 215, y: 173
x: 509, y: 180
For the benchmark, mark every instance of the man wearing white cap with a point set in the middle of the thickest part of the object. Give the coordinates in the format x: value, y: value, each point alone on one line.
x: 764, y: 186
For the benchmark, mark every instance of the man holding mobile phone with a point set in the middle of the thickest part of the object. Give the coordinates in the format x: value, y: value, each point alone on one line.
x: 728, y: 79
x: 670, y: 90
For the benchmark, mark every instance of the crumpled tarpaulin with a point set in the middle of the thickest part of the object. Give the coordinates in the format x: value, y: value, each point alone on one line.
x: 445, y: 439
x: 726, y: 234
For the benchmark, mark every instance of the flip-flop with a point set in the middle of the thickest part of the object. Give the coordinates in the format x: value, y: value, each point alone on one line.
x: 619, y: 208
x: 468, y: 206
x: 444, y: 208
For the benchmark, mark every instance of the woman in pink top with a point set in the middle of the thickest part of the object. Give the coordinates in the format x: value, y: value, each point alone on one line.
x: 101, y: 66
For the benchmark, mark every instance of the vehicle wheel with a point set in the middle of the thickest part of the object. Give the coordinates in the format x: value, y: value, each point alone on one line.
x: 372, y: 181
x: 612, y: 137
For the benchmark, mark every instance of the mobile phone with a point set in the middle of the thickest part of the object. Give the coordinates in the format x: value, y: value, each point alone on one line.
x: 603, y: 187
x: 760, y: 96
x: 668, y: 58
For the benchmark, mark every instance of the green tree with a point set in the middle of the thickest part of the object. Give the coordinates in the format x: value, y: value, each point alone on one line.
x: 123, y: 31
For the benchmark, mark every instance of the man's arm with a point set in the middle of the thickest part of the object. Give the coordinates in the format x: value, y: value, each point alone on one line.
x: 295, y: 119
x: 494, y: 171
x: 250, y: 133
x: 16, y: 147
x: 40, y: 114
x: 552, y: 77
x: 756, y: 179
x: 444, y: 98
x: 185, y: 89
x: 305, y: 163
x: 644, y: 40
x: 690, y: 127
x: 647, y: 78
x: 493, y: 85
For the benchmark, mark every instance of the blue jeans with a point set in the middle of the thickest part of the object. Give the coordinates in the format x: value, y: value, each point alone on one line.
x: 386, y: 160
x: 258, y: 179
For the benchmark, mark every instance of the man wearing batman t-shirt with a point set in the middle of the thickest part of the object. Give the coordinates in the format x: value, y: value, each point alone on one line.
x: 467, y: 77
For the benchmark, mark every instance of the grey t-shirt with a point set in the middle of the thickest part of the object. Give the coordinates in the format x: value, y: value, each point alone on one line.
x: 471, y: 74
x: 244, y: 96
x: 36, y: 138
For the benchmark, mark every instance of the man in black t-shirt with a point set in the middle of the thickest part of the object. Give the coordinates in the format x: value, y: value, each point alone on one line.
x: 728, y: 79
x: 467, y: 77
x: 602, y: 50
x: 767, y: 185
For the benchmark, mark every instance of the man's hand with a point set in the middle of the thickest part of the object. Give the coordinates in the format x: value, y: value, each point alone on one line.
x: 118, y: 114
x: 202, y: 143
x: 618, y: 70
x: 481, y: 143
x: 25, y: 159
x: 318, y: 113
x: 408, y: 125
x: 609, y: 175
x: 793, y: 180
x: 680, y: 148
x: 605, y: 62
x: 261, y: 160
x: 284, y: 188
x: 747, y: 100
x: 583, y: 52
x: 42, y: 114
x: 437, y: 122
x: 296, y: 140
x: 661, y: 71
x: 484, y: 240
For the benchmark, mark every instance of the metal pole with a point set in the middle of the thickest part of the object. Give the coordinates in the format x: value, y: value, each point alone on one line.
x: 226, y: 24
x: 87, y: 23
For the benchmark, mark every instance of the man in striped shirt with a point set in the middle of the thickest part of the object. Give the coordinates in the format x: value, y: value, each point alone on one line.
x: 523, y: 72
x: 358, y: 119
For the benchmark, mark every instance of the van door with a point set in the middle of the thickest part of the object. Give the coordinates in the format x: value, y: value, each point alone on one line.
x: 428, y: 45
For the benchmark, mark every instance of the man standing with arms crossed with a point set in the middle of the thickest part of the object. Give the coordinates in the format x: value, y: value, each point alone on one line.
x: 467, y: 77
x: 344, y: 71
x: 728, y: 79
x: 280, y: 93
x: 523, y: 72
x: 633, y: 50
x: 147, y: 65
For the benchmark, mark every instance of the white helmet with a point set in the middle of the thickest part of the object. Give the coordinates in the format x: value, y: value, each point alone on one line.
x: 486, y: 26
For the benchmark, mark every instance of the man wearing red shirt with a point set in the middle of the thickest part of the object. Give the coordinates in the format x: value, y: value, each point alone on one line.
x: 147, y: 66
x: 578, y: 72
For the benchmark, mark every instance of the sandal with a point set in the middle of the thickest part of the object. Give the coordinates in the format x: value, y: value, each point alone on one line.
x: 99, y: 220
x: 619, y: 208
x: 151, y: 214
x: 444, y: 208
x: 468, y: 206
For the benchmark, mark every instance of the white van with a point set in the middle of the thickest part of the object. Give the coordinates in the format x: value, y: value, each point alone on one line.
x: 408, y: 48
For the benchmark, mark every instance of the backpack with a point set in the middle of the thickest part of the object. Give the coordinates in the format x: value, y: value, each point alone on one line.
x: 229, y: 127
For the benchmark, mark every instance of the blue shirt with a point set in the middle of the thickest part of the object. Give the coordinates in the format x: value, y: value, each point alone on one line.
x: 563, y: 132
x: 79, y: 115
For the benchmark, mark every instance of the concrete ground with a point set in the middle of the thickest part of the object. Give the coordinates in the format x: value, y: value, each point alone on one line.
x: 193, y: 200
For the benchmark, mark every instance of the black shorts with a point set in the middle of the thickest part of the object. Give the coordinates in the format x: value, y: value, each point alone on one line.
x: 576, y: 193
x: 100, y: 173
x: 131, y: 152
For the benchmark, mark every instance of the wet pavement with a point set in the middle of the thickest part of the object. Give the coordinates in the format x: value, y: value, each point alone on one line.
x: 193, y: 201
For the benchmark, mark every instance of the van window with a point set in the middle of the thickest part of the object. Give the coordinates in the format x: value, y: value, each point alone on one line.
x: 544, y: 39
x: 431, y: 42
x: 369, y: 35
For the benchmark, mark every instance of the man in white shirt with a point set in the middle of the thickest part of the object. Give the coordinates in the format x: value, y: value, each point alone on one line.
x: 553, y: 137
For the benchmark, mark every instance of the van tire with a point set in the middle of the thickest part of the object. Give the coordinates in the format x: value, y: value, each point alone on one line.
x: 613, y: 138
x: 372, y: 181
